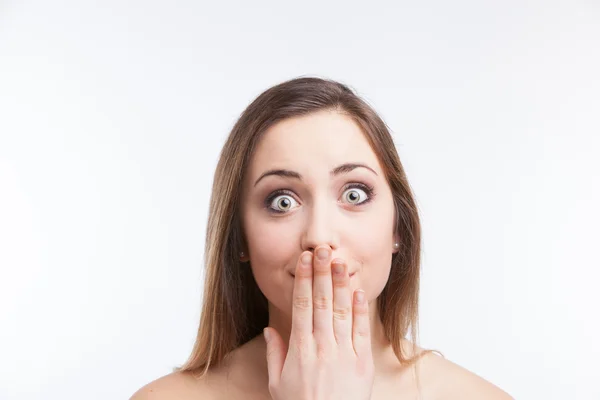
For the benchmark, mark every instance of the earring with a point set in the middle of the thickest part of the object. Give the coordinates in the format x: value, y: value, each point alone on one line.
x: 242, y: 255
x: 396, y: 245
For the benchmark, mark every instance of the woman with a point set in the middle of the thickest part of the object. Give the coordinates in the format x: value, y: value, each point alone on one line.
x: 313, y: 232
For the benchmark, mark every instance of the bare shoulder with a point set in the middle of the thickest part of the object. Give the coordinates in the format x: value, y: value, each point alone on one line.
x: 446, y: 380
x: 176, y: 385
x: 237, y: 376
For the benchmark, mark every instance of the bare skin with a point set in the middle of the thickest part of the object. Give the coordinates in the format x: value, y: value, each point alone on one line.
x: 245, y: 373
x: 317, y: 210
x: 245, y: 377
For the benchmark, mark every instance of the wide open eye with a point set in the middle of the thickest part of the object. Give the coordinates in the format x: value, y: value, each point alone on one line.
x: 357, y: 194
x: 280, y: 203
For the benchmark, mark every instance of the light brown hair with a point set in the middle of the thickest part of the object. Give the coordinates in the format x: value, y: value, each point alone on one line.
x: 234, y: 309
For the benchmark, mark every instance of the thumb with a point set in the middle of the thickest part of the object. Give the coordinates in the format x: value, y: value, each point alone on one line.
x: 275, y: 354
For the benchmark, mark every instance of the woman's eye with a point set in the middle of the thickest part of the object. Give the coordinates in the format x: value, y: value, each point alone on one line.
x: 282, y: 203
x: 355, y: 196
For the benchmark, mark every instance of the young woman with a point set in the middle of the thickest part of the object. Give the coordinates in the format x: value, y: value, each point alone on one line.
x: 313, y: 234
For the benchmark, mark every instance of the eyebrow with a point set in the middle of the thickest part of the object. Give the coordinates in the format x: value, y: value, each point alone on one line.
x: 342, y: 169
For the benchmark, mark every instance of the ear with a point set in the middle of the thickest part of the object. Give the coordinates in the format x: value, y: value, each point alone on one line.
x: 240, y: 240
x: 244, y: 254
x: 396, y: 244
x: 244, y: 257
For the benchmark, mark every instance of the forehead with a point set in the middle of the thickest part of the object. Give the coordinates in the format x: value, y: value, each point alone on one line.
x: 324, y: 139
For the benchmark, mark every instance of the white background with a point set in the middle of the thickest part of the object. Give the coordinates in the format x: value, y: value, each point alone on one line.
x: 112, y: 115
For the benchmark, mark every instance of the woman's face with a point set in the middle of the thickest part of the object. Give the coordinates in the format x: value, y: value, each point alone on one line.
x: 314, y: 180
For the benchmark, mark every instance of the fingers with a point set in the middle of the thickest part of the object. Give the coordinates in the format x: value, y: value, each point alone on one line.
x: 342, y: 303
x: 302, y: 307
x: 322, y: 294
x: 324, y: 306
x: 275, y: 354
x: 361, y: 328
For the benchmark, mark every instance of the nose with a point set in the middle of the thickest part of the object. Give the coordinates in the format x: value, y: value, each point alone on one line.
x: 319, y: 229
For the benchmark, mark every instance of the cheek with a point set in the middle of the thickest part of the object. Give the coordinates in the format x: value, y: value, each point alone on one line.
x: 371, y: 246
x: 273, y: 248
x: 271, y: 242
x: 372, y: 235
x: 374, y: 271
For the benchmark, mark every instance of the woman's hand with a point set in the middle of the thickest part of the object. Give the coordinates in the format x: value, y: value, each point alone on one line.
x: 329, y: 354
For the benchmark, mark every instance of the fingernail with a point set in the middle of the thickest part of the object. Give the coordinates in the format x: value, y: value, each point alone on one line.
x: 267, y: 335
x: 338, y: 268
x: 360, y: 296
x: 323, y: 253
x: 306, y: 259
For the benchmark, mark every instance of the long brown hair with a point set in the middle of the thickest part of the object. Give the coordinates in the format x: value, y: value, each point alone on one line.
x: 234, y: 309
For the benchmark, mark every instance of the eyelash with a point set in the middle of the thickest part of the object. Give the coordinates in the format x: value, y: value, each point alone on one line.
x: 369, y: 190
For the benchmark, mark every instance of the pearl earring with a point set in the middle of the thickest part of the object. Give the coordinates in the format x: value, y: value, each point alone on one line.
x: 241, y: 254
x: 396, y: 245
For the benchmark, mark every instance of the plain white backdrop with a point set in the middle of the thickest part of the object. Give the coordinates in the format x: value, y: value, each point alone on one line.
x: 113, y: 113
